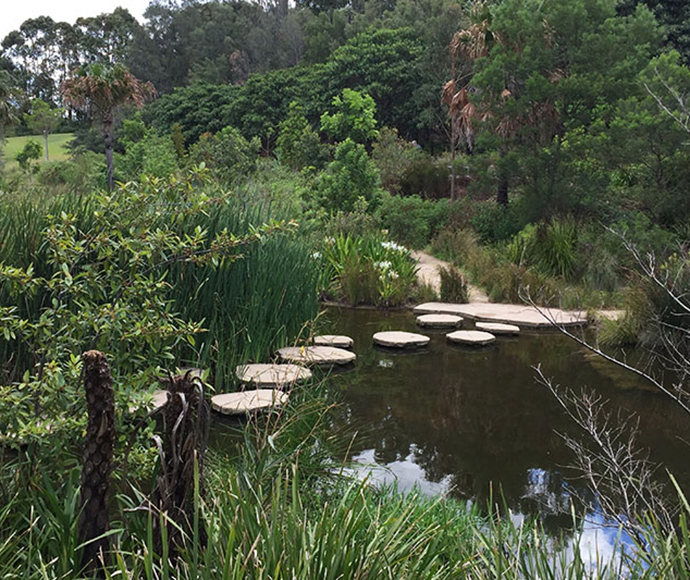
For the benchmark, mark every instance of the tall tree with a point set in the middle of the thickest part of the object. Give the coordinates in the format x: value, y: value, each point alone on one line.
x: 8, y: 109
x: 43, y: 119
x: 100, y: 90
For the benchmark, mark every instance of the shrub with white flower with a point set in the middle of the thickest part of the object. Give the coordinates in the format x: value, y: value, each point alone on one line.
x: 367, y: 270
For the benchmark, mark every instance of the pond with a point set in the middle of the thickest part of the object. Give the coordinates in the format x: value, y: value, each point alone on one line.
x: 471, y: 422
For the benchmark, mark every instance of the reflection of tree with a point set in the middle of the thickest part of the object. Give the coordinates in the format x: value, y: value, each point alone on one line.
x: 475, y: 418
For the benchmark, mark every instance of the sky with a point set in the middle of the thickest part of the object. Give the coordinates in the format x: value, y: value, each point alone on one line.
x: 14, y: 12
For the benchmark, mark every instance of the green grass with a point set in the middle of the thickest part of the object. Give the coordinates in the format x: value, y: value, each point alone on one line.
x: 57, y: 147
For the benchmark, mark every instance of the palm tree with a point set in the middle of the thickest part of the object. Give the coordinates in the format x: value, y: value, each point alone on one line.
x: 467, y: 44
x: 100, y: 90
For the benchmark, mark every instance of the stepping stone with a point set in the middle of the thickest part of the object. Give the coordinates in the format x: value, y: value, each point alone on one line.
x: 439, y: 320
x: 498, y: 328
x: 521, y: 315
x: 317, y: 355
x: 471, y: 337
x: 269, y: 375
x: 337, y: 340
x: 399, y: 339
x: 248, y: 401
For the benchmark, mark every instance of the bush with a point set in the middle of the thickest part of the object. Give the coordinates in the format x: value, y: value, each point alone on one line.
x: 413, y: 221
x: 350, y: 176
x: 298, y: 145
x: 366, y: 270
x: 227, y: 153
x: 453, y: 285
x: 392, y: 156
x: 427, y: 178
x: 153, y: 155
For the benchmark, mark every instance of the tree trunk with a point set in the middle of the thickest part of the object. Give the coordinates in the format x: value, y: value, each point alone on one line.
x: 108, y: 123
x: 45, y: 137
x: 98, y: 457
x: 502, y: 191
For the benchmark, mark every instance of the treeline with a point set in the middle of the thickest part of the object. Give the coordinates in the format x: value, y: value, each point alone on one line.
x: 566, y: 108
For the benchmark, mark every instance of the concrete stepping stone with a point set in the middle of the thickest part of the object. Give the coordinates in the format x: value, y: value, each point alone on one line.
x: 317, y: 355
x: 336, y: 340
x: 272, y: 375
x: 471, y: 337
x: 498, y: 328
x: 519, y: 314
x: 439, y: 320
x: 399, y: 339
x: 248, y: 401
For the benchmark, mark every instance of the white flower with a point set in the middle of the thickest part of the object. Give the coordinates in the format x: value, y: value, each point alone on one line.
x: 316, y: 255
x: 393, y: 246
x: 385, y: 265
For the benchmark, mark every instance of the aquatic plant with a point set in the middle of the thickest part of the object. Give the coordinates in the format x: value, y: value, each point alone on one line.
x: 367, y: 270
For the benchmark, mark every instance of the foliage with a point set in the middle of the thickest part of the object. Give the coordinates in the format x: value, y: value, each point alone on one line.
x: 552, y: 247
x: 106, y: 277
x: 227, y: 153
x: 28, y: 156
x: 392, y: 156
x: 366, y: 270
x: 43, y: 120
x: 413, y: 221
x: 100, y: 90
x: 350, y: 177
x: 353, y: 117
x: 298, y: 145
x: 453, y: 285
x: 426, y: 177
x: 148, y: 154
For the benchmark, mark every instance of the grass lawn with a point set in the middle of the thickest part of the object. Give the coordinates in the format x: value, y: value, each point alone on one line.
x: 57, y: 147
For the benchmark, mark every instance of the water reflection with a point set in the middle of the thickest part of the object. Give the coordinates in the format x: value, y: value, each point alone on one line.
x: 474, y: 422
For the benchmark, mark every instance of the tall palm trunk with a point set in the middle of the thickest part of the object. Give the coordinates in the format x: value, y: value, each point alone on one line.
x: 108, y: 122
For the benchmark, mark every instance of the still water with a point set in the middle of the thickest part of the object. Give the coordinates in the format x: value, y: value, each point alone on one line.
x: 468, y: 422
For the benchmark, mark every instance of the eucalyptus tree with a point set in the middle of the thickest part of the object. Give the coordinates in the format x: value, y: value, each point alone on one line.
x: 43, y: 119
x: 100, y: 91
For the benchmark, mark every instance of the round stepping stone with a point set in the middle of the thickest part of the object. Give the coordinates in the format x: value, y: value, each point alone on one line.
x: 317, y: 355
x: 159, y: 399
x: 399, y: 339
x: 498, y: 328
x: 471, y: 337
x: 439, y: 320
x: 272, y: 375
x: 248, y: 401
x: 337, y: 340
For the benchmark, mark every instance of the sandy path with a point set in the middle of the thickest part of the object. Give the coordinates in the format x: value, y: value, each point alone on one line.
x: 428, y: 274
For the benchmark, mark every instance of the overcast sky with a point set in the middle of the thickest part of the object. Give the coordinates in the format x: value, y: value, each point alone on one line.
x: 14, y: 12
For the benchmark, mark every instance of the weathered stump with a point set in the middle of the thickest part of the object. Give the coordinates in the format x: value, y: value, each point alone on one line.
x: 98, y: 457
x: 185, y: 431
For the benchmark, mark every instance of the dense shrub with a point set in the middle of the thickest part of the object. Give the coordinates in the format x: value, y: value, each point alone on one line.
x: 392, y: 156
x: 298, y: 145
x: 350, y: 176
x: 425, y: 177
x: 227, y: 153
x: 413, y: 221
